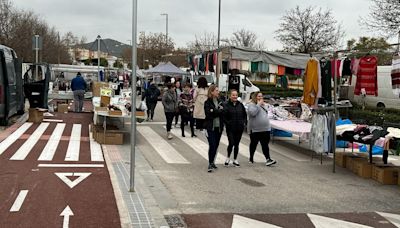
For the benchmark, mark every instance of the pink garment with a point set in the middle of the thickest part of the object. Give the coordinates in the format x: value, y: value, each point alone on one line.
x: 355, y: 63
x: 215, y: 58
x: 380, y: 142
x: 234, y: 64
x: 298, y: 72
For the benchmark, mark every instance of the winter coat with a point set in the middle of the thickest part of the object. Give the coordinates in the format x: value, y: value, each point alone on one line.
x: 170, y: 101
x: 258, y: 118
x: 186, y: 104
x: 78, y: 83
x: 235, y: 116
x: 199, y: 100
x: 152, y: 94
x: 213, y: 112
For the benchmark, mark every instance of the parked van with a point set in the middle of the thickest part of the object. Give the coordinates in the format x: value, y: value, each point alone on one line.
x: 385, y: 99
x: 11, y: 92
x: 238, y: 82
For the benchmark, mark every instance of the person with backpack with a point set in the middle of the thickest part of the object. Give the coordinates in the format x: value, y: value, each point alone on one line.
x: 151, y: 96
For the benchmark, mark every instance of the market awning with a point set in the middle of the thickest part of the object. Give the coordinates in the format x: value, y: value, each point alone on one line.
x: 165, y: 68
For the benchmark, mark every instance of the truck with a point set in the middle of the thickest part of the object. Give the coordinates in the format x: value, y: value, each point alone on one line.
x: 385, y: 99
x: 11, y: 85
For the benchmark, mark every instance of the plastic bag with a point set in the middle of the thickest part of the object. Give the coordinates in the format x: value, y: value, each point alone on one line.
x: 143, y: 106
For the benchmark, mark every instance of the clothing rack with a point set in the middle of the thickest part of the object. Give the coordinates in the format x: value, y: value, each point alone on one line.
x: 323, y: 111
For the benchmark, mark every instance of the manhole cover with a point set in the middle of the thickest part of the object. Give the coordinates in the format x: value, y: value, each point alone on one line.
x: 175, y: 221
x: 251, y: 182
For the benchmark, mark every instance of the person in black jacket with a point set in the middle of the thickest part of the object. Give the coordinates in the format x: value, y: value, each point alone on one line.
x: 151, y: 96
x: 213, y: 124
x: 235, y: 118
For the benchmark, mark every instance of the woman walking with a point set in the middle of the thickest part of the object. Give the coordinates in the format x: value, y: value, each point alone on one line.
x: 259, y: 127
x: 213, y: 124
x: 179, y: 91
x: 186, y: 106
x: 170, y: 104
x: 235, y: 118
x: 200, y: 97
x: 151, y: 95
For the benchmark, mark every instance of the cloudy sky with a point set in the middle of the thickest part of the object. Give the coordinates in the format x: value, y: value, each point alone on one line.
x: 112, y: 19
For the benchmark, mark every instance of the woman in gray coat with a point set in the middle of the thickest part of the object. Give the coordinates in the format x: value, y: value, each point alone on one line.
x: 170, y: 103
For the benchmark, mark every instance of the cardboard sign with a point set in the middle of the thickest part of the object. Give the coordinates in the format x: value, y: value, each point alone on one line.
x: 105, y: 92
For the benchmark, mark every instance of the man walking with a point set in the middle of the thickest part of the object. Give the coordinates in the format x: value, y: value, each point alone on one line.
x: 78, y: 86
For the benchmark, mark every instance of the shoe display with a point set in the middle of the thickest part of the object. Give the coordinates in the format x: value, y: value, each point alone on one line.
x: 236, y: 163
x: 270, y: 162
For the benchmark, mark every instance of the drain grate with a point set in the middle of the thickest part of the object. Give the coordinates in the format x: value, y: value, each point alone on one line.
x: 251, y: 182
x: 175, y: 221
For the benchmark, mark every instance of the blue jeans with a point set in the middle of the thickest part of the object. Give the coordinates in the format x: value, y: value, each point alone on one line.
x: 213, y: 138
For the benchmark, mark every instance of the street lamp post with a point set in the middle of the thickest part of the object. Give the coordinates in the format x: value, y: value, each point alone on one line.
x: 98, y: 57
x: 166, y: 31
x: 219, y: 34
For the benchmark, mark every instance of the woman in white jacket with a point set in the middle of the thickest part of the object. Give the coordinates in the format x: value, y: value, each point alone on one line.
x: 200, y: 96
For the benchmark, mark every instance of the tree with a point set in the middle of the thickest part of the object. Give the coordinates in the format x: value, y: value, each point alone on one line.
x: 376, y: 46
x: 203, y: 43
x: 309, y: 30
x: 153, y: 47
x: 118, y: 64
x: 384, y: 16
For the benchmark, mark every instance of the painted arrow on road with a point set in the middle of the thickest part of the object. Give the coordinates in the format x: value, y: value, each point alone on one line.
x: 241, y: 222
x: 71, y: 184
x: 393, y: 218
x: 325, y: 222
x: 67, y: 212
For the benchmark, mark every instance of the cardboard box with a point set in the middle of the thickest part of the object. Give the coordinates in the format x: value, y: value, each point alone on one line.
x: 97, y: 87
x: 340, y: 159
x: 62, y: 108
x: 105, y: 101
x: 115, y: 112
x: 385, y: 174
x: 101, y: 109
x: 35, y: 115
x: 112, y: 138
x: 362, y: 168
x: 350, y: 162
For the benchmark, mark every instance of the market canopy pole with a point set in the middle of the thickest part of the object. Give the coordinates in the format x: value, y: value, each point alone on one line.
x: 133, y: 95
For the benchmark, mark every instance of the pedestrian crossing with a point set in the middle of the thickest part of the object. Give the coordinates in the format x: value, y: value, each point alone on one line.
x: 161, y: 146
x: 74, y: 151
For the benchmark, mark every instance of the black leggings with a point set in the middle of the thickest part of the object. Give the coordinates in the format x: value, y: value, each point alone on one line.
x: 151, y: 106
x: 263, y: 138
x: 170, y: 117
x: 187, y: 117
x: 234, y: 138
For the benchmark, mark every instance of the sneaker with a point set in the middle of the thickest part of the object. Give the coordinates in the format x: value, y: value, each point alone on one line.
x: 251, y: 161
x: 236, y: 163
x: 169, y: 135
x: 210, y: 168
x: 227, y: 162
x: 270, y: 162
x: 214, y: 166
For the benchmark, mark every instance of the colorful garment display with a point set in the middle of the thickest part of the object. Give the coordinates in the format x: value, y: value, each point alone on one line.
x: 254, y: 67
x: 281, y: 70
x: 337, y: 62
x: 263, y: 67
x: 310, y: 91
x: 326, y: 79
x: 273, y: 69
x: 396, y: 75
x: 367, y: 76
x: 234, y: 64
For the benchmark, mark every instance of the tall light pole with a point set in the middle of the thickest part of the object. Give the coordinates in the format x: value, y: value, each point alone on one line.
x: 166, y: 31
x: 219, y: 34
x: 133, y: 95
x: 98, y: 57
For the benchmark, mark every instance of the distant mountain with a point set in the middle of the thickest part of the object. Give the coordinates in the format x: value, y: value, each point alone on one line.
x: 112, y: 47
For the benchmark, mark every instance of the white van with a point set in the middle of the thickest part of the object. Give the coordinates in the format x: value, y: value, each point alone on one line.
x: 385, y: 99
x: 243, y: 85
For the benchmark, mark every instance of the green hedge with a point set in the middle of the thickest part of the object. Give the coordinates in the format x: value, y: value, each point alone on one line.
x: 270, y: 89
x: 373, y: 116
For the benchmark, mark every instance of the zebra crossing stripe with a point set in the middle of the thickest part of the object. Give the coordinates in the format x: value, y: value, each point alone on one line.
x: 164, y: 149
x: 95, y: 149
x: 19, y: 201
x: 244, y: 150
x: 26, y: 148
x: 197, y: 145
x: 74, y: 144
x: 13, y: 137
x: 51, y: 146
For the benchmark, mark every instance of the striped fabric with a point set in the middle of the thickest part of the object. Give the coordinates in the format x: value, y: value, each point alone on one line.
x: 396, y: 75
x: 367, y: 76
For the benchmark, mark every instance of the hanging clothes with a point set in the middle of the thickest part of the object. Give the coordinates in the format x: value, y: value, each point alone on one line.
x: 367, y: 76
x: 355, y: 63
x: 337, y: 62
x: 273, y: 69
x: 211, y: 62
x: 206, y: 63
x: 234, y: 64
x: 263, y: 67
x: 281, y: 70
x: 326, y: 79
x: 396, y: 75
x: 310, y: 91
x: 346, y: 71
x: 215, y: 58
x: 298, y: 72
x: 289, y: 70
x: 254, y: 67
x: 284, y: 81
x: 319, y: 134
x: 225, y: 67
x: 245, y: 65
x: 202, y: 65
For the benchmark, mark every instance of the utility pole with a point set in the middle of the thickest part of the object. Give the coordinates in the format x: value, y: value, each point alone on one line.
x: 37, y: 57
x: 98, y: 57
x: 166, y: 32
x: 219, y: 35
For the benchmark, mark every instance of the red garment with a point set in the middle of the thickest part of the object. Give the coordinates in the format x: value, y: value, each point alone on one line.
x: 215, y: 58
x: 367, y: 76
x: 281, y: 70
x: 207, y: 62
x: 338, y: 62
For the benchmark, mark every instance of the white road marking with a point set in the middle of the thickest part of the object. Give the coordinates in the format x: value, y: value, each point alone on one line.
x: 197, y: 145
x: 71, y: 165
x: 19, y: 201
x: 53, y: 120
x: 164, y: 149
x: 51, y: 146
x: 74, y: 144
x: 96, y: 153
x: 71, y: 184
x: 244, y: 150
x: 325, y: 222
x: 393, y: 218
x: 241, y: 222
x: 13, y: 137
x: 26, y: 148
x: 66, y: 213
